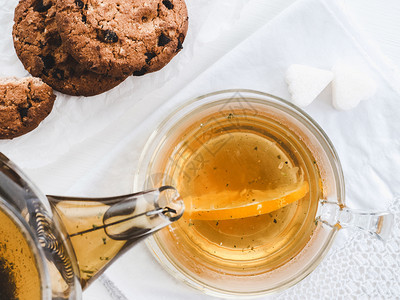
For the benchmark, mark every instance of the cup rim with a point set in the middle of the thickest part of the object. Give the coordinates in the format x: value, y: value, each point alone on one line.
x: 286, y: 106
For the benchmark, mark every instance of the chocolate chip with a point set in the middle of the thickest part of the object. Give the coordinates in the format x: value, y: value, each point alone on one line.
x: 163, y: 40
x: 23, y: 111
x: 48, y: 61
x: 40, y: 7
x: 79, y: 3
x: 150, y: 56
x: 58, y: 74
x: 83, y: 18
x: 107, y: 36
x: 144, y: 19
x: 181, y: 38
x: 141, y: 72
x: 54, y: 41
x: 41, y: 45
x: 180, y: 46
x: 72, y: 72
x: 168, y: 4
x: 110, y: 36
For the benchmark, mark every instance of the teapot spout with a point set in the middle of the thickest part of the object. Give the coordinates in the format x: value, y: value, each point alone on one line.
x: 141, y: 214
x: 168, y: 202
x: 101, y: 229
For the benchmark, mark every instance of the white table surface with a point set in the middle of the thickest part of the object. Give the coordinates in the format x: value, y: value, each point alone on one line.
x: 379, y: 19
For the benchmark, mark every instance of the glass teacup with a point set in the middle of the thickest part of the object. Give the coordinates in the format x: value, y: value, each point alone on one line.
x: 52, y: 247
x: 263, y: 190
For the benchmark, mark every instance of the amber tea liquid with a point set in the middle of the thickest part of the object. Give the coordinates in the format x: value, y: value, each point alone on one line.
x: 238, y: 150
x: 19, y: 275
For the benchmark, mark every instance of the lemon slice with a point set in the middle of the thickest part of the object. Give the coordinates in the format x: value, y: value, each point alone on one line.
x: 242, y: 204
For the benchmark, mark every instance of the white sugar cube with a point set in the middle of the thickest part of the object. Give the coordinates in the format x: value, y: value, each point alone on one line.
x: 305, y: 83
x: 351, y: 86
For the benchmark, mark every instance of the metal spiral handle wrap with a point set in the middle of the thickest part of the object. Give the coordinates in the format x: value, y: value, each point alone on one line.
x: 54, y: 250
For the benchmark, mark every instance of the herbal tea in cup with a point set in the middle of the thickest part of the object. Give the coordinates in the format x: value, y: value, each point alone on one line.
x: 258, y: 179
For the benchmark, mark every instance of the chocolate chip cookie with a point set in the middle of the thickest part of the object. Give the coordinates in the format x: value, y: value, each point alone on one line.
x: 39, y: 47
x: 122, y: 37
x: 24, y: 103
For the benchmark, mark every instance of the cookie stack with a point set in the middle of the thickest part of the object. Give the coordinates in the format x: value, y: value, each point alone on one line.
x: 86, y: 47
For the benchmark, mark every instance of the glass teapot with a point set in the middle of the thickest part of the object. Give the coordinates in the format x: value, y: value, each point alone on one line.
x: 53, y: 247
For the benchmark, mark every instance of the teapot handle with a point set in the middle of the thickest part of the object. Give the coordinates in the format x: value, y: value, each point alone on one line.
x: 378, y: 224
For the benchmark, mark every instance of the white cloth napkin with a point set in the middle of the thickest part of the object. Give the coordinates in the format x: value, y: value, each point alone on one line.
x: 91, y: 146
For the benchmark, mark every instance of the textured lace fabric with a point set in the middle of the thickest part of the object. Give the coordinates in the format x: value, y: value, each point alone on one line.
x: 361, y: 268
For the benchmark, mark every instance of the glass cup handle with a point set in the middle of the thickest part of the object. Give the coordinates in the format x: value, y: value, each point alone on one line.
x: 378, y: 224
